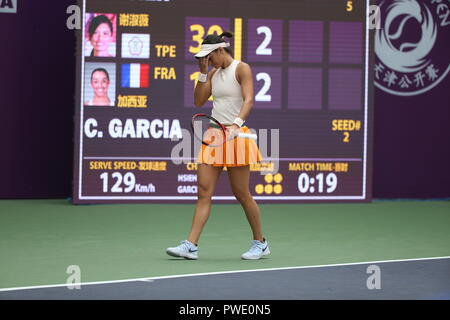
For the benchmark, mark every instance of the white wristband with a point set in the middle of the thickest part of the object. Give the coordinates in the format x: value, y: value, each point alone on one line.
x: 202, y: 77
x: 239, y: 122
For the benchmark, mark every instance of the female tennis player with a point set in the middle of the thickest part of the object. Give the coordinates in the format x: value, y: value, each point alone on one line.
x: 230, y: 82
x: 100, y: 83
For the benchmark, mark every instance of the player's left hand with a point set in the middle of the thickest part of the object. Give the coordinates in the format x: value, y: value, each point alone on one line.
x: 233, y: 131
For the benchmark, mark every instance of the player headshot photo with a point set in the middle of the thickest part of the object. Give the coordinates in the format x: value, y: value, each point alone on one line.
x: 99, y: 84
x: 100, y: 35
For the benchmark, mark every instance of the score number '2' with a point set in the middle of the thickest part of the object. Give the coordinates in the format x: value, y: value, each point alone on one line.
x: 264, y: 50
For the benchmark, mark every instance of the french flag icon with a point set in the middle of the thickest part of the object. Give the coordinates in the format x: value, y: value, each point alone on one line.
x: 135, y: 75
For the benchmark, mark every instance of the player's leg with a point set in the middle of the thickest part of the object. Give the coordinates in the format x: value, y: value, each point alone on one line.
x: 207, y: 178
x: 239, y: 180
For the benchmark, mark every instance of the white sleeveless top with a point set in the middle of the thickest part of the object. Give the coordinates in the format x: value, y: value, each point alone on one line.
x: 227, y: 94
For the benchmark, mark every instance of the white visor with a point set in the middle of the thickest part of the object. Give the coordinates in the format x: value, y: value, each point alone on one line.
x: 208, y: 48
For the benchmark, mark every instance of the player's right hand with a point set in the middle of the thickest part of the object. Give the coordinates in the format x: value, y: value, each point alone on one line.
x: 203, y: 64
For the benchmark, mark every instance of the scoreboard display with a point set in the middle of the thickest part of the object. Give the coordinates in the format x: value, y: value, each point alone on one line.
x: 311, y: 62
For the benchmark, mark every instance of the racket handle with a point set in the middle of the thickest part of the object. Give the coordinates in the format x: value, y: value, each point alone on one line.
x: 247, y: 135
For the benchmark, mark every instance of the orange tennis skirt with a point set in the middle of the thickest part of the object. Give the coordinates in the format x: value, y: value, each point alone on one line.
x: 233, y: 153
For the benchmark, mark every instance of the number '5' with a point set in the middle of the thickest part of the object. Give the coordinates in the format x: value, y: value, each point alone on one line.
x: 349, y: 6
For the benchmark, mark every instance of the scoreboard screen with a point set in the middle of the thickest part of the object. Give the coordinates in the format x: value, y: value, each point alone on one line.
x: 311, y: 62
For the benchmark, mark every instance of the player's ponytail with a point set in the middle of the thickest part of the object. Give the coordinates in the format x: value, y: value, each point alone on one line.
x: 226, y: 34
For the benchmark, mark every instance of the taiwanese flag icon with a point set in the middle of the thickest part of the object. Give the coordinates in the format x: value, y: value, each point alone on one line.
x: 135, y: 75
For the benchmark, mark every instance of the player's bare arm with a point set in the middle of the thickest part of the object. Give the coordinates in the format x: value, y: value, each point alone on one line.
x: 202, y: 90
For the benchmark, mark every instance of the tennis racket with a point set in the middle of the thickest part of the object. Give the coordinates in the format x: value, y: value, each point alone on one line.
x: 212, y: 133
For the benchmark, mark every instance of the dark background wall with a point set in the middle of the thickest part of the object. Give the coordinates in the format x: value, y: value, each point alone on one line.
x: 37, y: 87
x: 412, y: 144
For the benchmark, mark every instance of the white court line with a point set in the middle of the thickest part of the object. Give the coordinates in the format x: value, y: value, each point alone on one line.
x: 151, y: 279
x: 147, y: 280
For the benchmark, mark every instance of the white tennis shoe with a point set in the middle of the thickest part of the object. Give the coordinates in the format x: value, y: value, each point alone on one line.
x: 186, y: 250
x: 257, y: 251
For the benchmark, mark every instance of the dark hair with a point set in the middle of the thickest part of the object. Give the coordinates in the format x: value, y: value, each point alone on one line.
x: 98, y: 20
x: 101, y: 70
x: 213, y: 38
